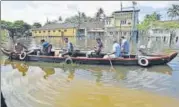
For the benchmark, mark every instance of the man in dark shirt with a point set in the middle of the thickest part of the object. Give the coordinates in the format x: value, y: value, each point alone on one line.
x: 97, y: 49
x: 19, y: 48
x: 99, y: 46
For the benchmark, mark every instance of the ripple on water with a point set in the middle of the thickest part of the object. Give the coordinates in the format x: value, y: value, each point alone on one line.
x: 89, y: 87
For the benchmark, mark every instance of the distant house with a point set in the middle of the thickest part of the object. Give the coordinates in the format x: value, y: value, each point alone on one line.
x: 159, y: 31
x: 55, y: 30
x: 120, y: 23
x: 95, y: 28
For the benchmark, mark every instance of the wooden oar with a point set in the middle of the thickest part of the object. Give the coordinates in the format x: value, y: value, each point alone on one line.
x: 111, y: 62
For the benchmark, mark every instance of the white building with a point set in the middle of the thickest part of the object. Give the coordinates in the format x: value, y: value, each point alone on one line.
x: 158, y: 32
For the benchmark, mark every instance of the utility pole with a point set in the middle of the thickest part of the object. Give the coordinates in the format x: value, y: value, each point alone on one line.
x: 134, y: 33
x: 79, y: 19
x: 120, y: 27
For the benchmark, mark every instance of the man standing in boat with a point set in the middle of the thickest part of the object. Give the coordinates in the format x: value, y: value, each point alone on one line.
x: 97, y: 49
x: 69, y: 48
x: 124, y: 46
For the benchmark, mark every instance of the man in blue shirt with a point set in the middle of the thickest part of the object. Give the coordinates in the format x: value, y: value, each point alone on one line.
x: 46, y: 47
x: 124, y: 46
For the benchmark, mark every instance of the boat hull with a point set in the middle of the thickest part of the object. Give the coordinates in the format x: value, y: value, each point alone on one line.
x: 153, y: 60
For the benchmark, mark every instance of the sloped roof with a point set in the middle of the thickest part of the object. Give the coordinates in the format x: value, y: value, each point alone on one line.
x: 56, y: 26
x: 88, y: 25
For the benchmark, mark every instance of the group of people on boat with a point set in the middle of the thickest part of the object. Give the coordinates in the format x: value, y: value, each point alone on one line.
x: 118, y: 49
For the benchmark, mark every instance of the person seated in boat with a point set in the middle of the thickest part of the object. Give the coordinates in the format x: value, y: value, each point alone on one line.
x: 116, y: 51
x: 19, y: 48
x: 124, y: 46
x: 46, y: 47
x: 142, y: 52
x: 97, y: 49
x: 69, y: 48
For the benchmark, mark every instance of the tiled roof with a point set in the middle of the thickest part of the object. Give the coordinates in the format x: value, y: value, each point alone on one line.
x: 88, y: 25
x: 56, y: 26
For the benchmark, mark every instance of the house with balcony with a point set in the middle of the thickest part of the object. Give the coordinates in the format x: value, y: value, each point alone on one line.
x: 121, y: 22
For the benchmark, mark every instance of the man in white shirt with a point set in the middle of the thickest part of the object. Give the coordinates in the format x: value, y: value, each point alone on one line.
x: 69, y: 48
x: 116, y: 51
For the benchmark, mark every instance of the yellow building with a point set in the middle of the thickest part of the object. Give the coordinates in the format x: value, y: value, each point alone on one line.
x: 55, y: 30
x: 121, y: 21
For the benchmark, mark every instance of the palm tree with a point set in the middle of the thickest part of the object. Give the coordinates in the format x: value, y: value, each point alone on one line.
x: 173, y: 11
x: 147, y: 16
x: 159, y: 16
x: 84, y: 18
x: 101, y: 11
x: 59, y: 18
x: 99, y: 14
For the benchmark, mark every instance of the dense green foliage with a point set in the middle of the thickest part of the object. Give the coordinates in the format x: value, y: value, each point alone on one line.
x: 81, y: 17
x: 152, y: 20
x: 36, y: 25
x: 18, y: 28
x: 149, y: 18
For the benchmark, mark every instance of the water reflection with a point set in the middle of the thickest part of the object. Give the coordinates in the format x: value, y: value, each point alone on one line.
x: 48, y: 71
x: 51, y: 84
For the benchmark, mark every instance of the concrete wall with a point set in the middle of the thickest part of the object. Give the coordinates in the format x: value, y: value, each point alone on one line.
x: 71, y: 32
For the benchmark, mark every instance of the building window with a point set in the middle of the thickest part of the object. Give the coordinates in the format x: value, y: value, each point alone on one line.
x: 59, y: 30
x: 35, y: 31
x: 65, y: 30
x: 49, y: 31
x: 123, y: 22
x: 164, y: 38
x: 176, y: 39
x: 39, y: 31
x: 53, y: 30
x: 44, y: 31
x: 109, y: 22
x: 111, y: 33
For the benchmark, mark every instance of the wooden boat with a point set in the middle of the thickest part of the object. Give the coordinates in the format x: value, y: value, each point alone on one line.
x: 81, y: 58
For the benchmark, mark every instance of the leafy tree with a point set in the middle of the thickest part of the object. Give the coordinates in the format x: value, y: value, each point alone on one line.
x: 100, y: 14
x: 79, y: 18
x: 37, y: 25
x: 59, y: 18
x: 148, y: 21
x: 173, y: 12
x: 17, y: 28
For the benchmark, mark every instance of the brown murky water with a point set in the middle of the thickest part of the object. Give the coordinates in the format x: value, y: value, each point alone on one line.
x: 32, y: 84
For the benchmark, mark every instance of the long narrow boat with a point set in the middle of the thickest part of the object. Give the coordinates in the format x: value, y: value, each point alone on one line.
x: 81, y: 58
